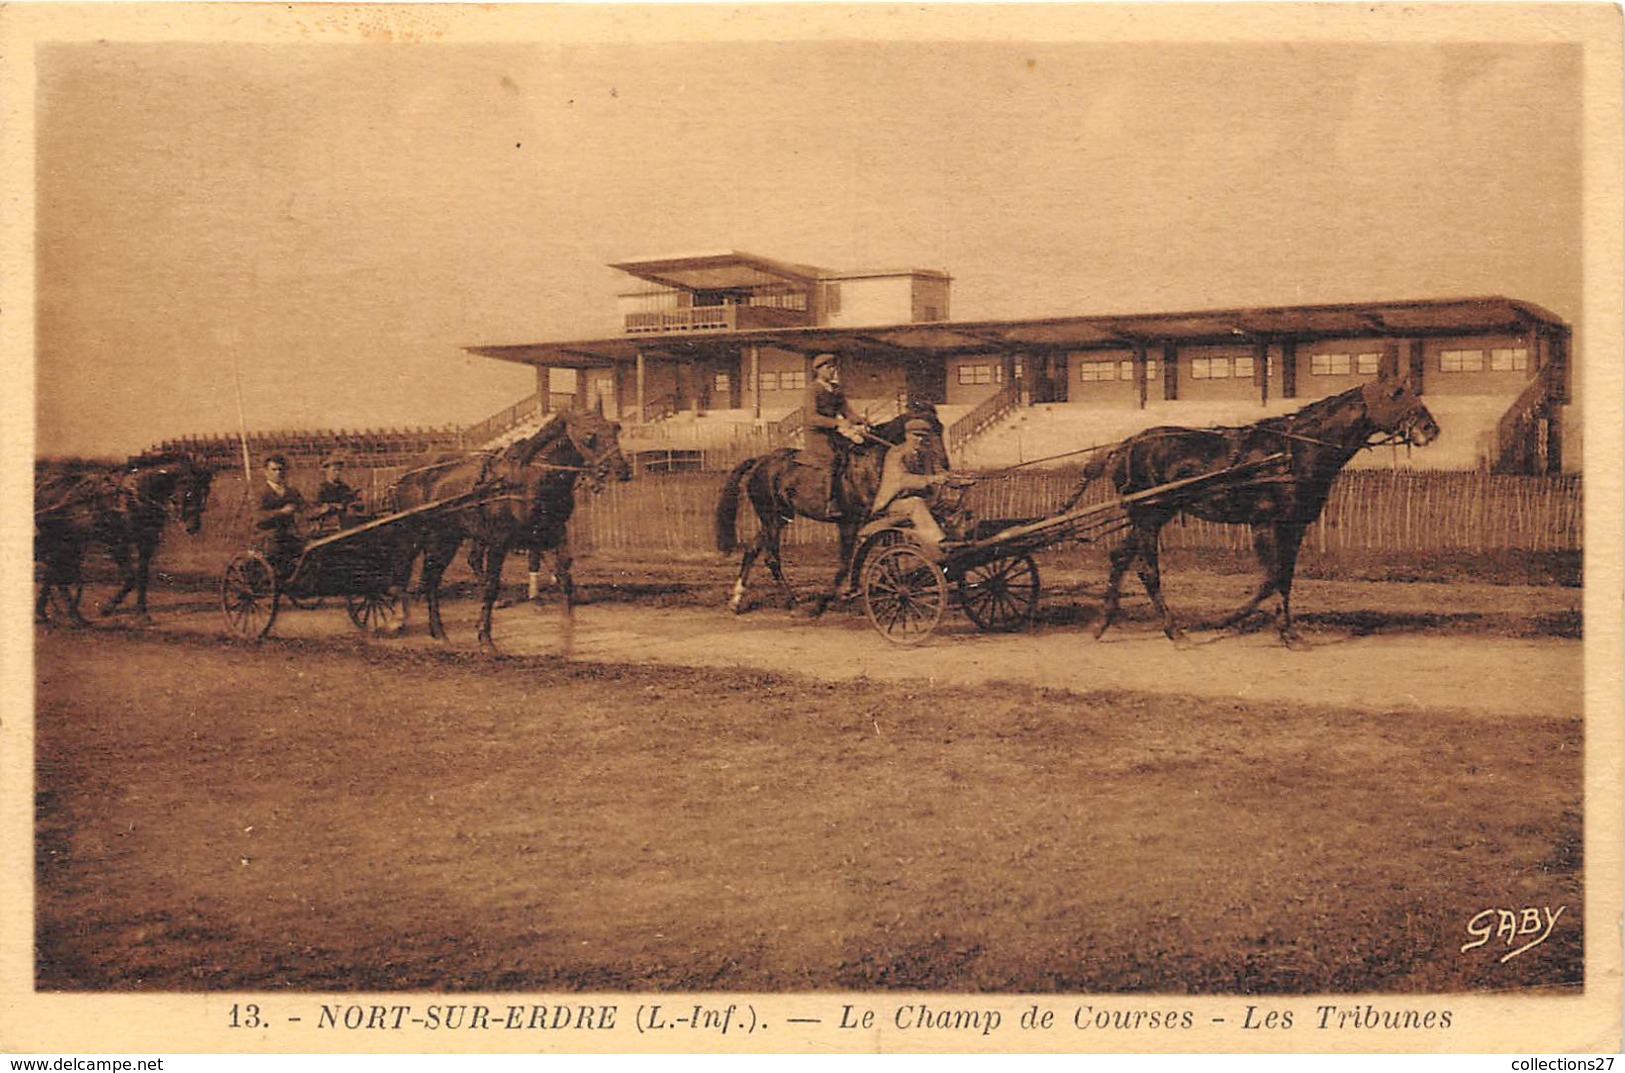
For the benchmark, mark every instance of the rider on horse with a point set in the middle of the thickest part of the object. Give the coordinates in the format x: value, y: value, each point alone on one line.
x: 832, y: 428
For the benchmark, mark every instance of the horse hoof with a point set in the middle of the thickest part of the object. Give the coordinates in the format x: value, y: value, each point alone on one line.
x: 1295, y: 642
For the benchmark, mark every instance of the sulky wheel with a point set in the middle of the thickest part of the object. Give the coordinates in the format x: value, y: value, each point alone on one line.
x: 1001, y: 594
x: 375, y: 612
x: 249, y: 594
x: 903, y: 593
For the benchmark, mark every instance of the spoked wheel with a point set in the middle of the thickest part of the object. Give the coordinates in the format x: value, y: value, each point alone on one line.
x: 1001, y: 594
x: 249, y: 594
x: 374, y: 612
x: 868, y: 550
x: 904, y: 593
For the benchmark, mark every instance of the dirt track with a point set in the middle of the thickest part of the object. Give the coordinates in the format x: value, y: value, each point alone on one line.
x: 1400, y: 670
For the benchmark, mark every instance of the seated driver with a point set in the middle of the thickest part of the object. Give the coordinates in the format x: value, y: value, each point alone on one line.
x: 910, y: 472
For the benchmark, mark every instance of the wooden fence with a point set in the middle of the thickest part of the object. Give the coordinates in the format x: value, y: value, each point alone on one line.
x: 1370, y: 513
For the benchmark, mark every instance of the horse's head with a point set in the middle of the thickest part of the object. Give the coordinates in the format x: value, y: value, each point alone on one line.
x: 1394, y: 407
x: 191, y: 495
x: 178, y: 483
x: 597, y: 440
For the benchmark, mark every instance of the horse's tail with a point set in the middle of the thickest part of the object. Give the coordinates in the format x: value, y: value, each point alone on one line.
x: 728, y: 506
x: 1092, y: 472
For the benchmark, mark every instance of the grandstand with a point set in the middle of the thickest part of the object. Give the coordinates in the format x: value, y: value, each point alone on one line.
x: 367, y: 447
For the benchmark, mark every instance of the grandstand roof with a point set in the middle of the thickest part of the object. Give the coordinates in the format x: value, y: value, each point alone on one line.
x: 1451, y: 316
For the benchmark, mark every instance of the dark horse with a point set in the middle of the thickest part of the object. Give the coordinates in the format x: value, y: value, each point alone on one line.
x: 1278, y: 503
x: 123, y: 509
x: 523, y: 497
x: 780, y: 488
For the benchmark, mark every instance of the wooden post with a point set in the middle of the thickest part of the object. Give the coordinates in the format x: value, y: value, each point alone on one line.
x: 1261, y: 371
x: 1289, y: 368
x: 544, y: 388
x: 1170, y: 372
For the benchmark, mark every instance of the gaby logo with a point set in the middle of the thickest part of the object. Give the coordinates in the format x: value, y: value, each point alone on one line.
x: 1512, y: 927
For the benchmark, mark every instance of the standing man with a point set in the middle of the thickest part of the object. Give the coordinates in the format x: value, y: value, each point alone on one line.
x: 831, y: 425
x: 280, y: 504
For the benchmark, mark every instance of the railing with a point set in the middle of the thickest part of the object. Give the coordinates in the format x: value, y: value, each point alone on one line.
x: 1520, y: 441
x: 503, y: 420
x: 988, y: 413
x: 658, y: 408
x: 782, y: 431
x: 693, y: 319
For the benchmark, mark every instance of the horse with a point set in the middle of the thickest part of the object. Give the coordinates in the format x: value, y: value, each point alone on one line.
x: 1279, y: 503
x: 780, y: 488
x: 124, y: 510
x: 523, y: 497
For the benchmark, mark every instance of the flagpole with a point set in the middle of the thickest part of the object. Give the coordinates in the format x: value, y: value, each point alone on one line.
x: 242, y: 421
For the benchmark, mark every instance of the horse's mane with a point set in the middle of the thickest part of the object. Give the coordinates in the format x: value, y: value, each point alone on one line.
x: 160, y: 458
x: 523, y: 452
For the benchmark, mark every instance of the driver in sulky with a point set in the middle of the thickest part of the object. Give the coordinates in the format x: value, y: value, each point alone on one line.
x: 907, y: 477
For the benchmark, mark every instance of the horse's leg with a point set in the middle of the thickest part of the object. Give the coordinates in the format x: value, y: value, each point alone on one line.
x: 143, y: 571
x: 736, y: 602
x: 436, y: 557
x: 1264, y: 547
x: 120, y: 554
x: 1151, y: 578
x: 775, y: 565
x: 1288, y: 539
x: 533, y: 562
x: 494, y: 556
x: 1122, y: 557
x: 849, y: 536
x: 562, y: 563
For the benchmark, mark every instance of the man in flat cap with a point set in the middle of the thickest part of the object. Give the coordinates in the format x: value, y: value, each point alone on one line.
x: 832, y: 427
x: 908, y: 474
x: 336, y: 502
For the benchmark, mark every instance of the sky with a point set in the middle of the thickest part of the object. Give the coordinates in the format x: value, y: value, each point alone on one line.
x: 323, y: 227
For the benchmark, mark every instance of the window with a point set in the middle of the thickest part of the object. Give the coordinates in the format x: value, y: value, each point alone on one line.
x: 1244, y: 368
x: 767, y: 382
x: 832, y: 299
x: 1509, y: 359
x: 721, y: 383
x: 792, y: 380
x: 1367, y: 364
x: 1125, y: 370
x: 976, y: 374
x: 1461, y: 361
x: 1210, y: 368
x: 1328, y: 364
x: 1098, y: 370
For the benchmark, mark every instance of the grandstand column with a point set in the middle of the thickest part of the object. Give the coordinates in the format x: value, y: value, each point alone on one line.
x: 1289, y: 368
x: 1418, y: 365
x: 1141, y: 386
x: 544, y: 387
x: 1170, y: 372
x: 755, y: 382
x: 1388, y: 365
x: 642, y: 417
x: 1261, y: 370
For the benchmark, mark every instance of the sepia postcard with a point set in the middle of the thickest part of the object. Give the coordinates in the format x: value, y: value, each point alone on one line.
x: 801, y: 528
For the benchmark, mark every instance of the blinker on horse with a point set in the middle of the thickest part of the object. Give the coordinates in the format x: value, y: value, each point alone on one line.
x: 522, y: 496
x: 1279, y: 504
x: 780, y: 489
x: 125, y: 510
